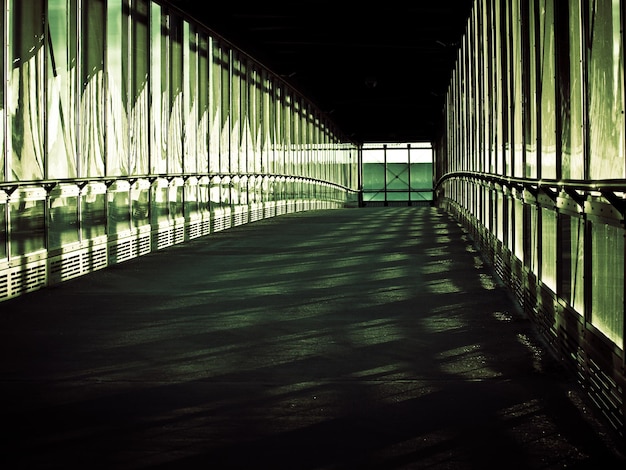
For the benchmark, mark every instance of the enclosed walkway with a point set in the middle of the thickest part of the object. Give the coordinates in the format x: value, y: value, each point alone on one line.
x: 344, y: 339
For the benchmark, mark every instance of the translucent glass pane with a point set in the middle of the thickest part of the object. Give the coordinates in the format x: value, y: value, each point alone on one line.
x: 518, y: 235
x: 203, y: 104
x: 572, y: 259
x: 2, y: 123
x: 373, y: 176
x: 606, y: 91
x: 176, y: 97
x: 397, y: 176
x: 190, y: 86
x: 421, y: 176
x: 517, y: 90
x: 191, y: 201
x: 26, y: 118
x: 117, y: 86
x: 175, y: 195
x: 92, y: 107
x: 204, y: 199
x: 224, y: 72
x: 139, y: 117
x: 3, y: 230
x: 27, y: 226
x: 118, y: 208
x: 573, y: 162
x: 158, y: 90
x: 607, y: 292
x: 548, y: 248
x: 159, y: 204
x: 93, y: 214
x: 534, y: 234
x: 63, y: 226
x: 216, y: 108
x: 531, y: 111
x: 62, y: 75
x: 140, y: 205
x: 548, y: 90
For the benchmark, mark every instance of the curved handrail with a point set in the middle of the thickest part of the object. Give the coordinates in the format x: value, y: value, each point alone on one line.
x: 10, y: 186
x: 603, y: 185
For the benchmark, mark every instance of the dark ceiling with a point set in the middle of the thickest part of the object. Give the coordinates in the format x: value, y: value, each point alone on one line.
x: 379, y: 70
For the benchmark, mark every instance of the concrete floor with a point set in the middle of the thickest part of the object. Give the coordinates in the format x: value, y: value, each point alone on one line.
x: 369, y: 338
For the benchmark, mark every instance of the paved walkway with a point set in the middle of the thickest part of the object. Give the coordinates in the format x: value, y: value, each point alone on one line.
x: 356, y: 338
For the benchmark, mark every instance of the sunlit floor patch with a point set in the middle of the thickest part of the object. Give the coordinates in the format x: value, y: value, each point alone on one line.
x: 468, y: 362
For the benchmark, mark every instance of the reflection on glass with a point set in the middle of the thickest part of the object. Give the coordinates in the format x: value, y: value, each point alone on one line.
x: 3, y: 231
x: 160, y: 209
x: 204, y: 191
x: 548, y: 248
x: 176, y: 201
x: 607, y: 292
x: 191, y: 200
x: 63, y: 228
x: 93, y: 213
x: 28, y: 223
x: 62, y: 75
x: 606, y: 91
x: 25, y: 118
x: 119, y: 208
x: 92, y: 89
x: 140, y: 205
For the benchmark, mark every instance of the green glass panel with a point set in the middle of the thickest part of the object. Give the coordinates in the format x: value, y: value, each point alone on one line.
x: 607, y: 291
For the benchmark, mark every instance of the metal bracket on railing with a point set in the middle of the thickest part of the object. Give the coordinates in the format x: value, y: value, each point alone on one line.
x: 49, y: 186
x: 617, y: 202
x: 576, y: 196
x: 9, y: 189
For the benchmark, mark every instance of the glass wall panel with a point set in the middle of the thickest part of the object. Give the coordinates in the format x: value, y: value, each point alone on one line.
x: 140, y: 203
x: 204, y: 111
x: 118, y: 207
x: 547, y: 74
x: 531, y: 109
x: 278, y: 125
x: 92, y: 107
x: 158, y: 89
x: 225, y: 90
x: 25, y: 100
x: 606, y: 91
x: 572, y: 99
x: 571, y: 233
x: 62, y: 80
x: 159, y: 203
x: 190, y: 87
x: 421, y: 181
x: 518, y: 217
x: 3, y: 225
x: 117, y: 87
x: 139, y: 109
x: 176, y: 97
x: 176, y: 199
x: 27, y: 222
x: 93, y: 211
x: 204, y: 198
x: 254, y: 119
x: 190, y: 198
x: 215, y: 193
x: 2, y: 123
x: 532, y: 257
x: 63, y: 219
x: 215, y: 101
x: 517, y: 94
x: 548, y: 248
x: 607, y: 291
x: 235, y: 114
